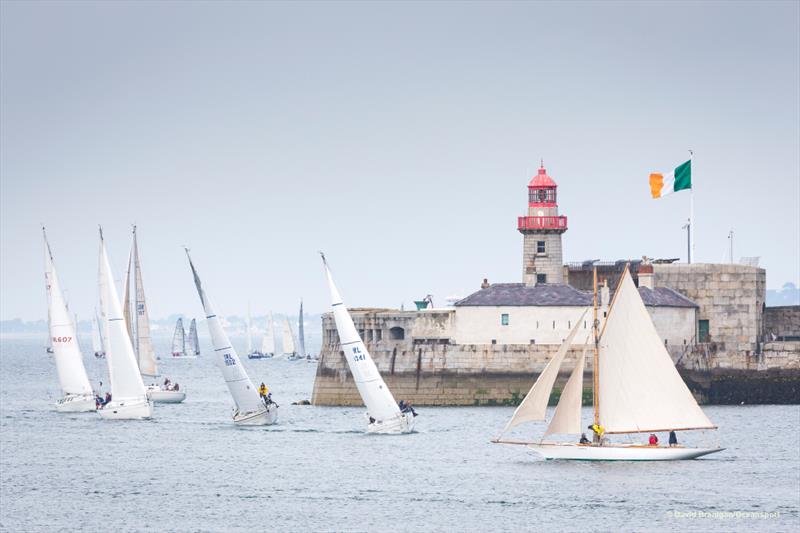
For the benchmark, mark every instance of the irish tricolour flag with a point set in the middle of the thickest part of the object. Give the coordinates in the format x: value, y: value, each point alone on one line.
x: 677, y: 180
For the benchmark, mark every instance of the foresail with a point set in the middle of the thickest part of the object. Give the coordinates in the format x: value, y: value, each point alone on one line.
x: 144, y: 344
x: 241, y: 388
x: 66, y: 352
x: 534, y: 405
x: 378, y: 399
x: 288, y: 338
x: 567, y: 418
x: 640, y: 388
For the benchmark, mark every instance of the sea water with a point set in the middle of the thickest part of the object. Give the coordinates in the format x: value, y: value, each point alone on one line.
x: 190, y: 469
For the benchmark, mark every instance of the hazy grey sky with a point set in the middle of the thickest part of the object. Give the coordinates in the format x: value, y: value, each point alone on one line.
x: 397, y: 137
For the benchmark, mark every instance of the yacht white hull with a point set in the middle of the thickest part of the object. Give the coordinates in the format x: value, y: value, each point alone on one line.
x: 633, y: 452
x: 259, y: 355
x: 266, y: 417
x: 76, y: 404
x: 127, y: 410
x: 394, y: 426
x: 159, y: 395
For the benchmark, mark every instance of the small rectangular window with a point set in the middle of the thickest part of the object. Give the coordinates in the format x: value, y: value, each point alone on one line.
x: 504, y: 319
x: 533, y: 341
x: 540, y: 247
x: 541, y: 278
x: 494, y: 341
x: 703, y: 333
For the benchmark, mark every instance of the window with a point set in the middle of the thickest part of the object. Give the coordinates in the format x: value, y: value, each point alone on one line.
x: 542, y: 196
x: 540, y: 247
x: 541, y: 278
x: 494, y: 341
x: 703, y: 331
x: 554, y: 324
x: 397, y: 333
x: 533, y: 341
x: 504, y: 319
x: 378, y: 334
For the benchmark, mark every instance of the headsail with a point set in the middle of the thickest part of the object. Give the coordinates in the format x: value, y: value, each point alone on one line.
x: 300, y: 333
x: 380, y: 403
x: 268, y: 342
x: 640, y: 389
x: 567, y: 418
x: 67, y: 354
x: 139, y: 323
x: 97, y: 339
x: 288, y: 338
x: 534, y: 406
x: 242, y: 389
x: 126, y: 381
x: 179, y: 339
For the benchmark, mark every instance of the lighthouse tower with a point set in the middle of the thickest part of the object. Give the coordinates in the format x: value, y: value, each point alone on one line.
x: 541, y: 230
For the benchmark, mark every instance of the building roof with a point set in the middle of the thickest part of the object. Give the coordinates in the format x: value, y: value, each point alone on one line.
x: 542, y: 180
x: 557, y: 295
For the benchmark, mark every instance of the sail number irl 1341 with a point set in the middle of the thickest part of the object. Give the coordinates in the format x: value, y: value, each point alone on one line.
x: 62, y: 339
x: 357, y: 355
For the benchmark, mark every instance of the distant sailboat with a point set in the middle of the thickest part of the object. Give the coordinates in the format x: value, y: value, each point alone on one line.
x: 78, y: 395
x: 268, y: 341
x: 251, y: 409
x: 128, y: 394
x: 251, y: 353
x: 137, y: 322
x: 289, y: 350
x: 179, y: 344
x: 383, y: 414
x: 637, y: 389
x: 192, y: 342
x: 97, y: 337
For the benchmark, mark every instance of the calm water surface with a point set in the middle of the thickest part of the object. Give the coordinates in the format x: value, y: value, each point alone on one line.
x: 190, y: 469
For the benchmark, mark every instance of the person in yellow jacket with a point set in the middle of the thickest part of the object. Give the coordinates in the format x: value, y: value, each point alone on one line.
x: 598, y: 430
x: 263, y: 390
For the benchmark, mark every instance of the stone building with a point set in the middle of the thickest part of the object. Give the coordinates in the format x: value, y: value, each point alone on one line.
x: 489, y: 347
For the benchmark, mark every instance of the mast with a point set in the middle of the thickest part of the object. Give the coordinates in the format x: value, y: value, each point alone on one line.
x: 596, y: 370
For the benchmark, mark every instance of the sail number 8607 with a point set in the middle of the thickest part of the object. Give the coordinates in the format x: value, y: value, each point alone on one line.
x: 62, y: 339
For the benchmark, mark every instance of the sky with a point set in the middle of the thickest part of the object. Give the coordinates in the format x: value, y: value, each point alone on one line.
x: 397, y: 137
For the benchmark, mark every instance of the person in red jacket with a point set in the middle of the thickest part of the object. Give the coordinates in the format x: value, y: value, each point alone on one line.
x: 653, y: 439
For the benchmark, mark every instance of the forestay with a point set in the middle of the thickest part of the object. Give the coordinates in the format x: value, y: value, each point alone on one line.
x: 373, y: 390
x: 534, y: 406
x: 126, y: 381
x: 241, y: 388
x: 640, y: 389
x: 66, y: 352
x: 567, y: 418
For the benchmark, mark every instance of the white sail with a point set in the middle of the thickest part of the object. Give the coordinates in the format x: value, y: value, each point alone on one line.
x: 97, y: 340
x: 67, y: 354
x: 179, y: 339
x: 534, y: 405
x: 242, y: 390
x: 192, y: 342
x: 288, y: 338
x: 640, y: 389
x: 139, y: 326
x: 567, y: 418
x: 373, y: 390
x: 301, y: 333
x: 126, y: 381
x: 268, y: 342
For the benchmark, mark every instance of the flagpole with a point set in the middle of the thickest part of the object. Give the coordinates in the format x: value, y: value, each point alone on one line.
x: 692, y: 254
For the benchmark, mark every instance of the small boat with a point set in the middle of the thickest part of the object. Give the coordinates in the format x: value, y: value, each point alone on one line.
x: 192, y: 342
x: 267, y: 341
x: 251, y: 353
x: 287, y: 339
x: 636, y: 389
x: 137, y: 321
x: 251, y: 408
x: 97, y: 337
x: 72, y: 377
x: 179, y: 350
x: 383, y: 414
x: 128, y: 394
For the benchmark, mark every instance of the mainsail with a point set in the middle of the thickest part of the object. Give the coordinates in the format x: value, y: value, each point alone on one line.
x: 268, y: 342
x: 373, y: 390
x: 640, y: 389
x: 300, y: 333
x: 239, y: 384
x: 139, y: 327
x: 192, y: 342
x: 288, y: 338
x: 179, y: 339
x: 534, y: 406
x: 67, y: 354
x: 126, y: 381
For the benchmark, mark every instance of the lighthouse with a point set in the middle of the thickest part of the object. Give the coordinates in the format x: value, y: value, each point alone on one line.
x: 541, y: 232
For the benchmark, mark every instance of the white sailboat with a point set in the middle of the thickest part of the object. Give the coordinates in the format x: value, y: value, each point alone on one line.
x: 383, y: 414
x: 128, y: 395
x: 251, y: 353
x: 137, y: 321
x: 97, y: 338
x: 301, y: 336
x: 192, y: 342
x: 251, y: 409
x: 78, y: 395
x: 637, y: 389
x: 179, y: 350
x: 287, y: 339
x: 268, y: 340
